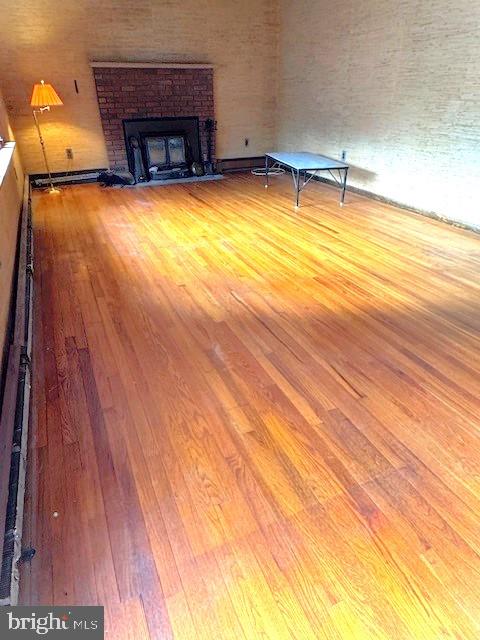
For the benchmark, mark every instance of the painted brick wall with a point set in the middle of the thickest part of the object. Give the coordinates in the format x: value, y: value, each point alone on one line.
x: 394, y: 82
x: 11, y: 191
x: 56, y: 40
x: 137, y: 93
x: 397, y: 84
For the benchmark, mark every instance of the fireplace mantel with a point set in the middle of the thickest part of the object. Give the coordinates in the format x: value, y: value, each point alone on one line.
x: 151, y: 65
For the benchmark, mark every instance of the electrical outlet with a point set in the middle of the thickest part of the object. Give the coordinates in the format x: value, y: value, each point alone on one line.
x: 344, y: 155
x: 246, y: 142
x: 69, y: 153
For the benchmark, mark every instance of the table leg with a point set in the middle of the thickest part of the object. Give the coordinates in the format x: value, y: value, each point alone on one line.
x: 298, y: 189
x: 266, y: 172
x: 344, y: 186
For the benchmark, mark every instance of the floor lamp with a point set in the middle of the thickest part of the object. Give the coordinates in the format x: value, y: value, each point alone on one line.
x: 44, y: 96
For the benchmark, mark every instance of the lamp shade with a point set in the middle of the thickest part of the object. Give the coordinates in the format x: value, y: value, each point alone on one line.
x: 44, y: 95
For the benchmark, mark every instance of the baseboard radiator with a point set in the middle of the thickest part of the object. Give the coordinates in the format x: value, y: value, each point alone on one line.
x: 230, y: 165
x: 76, y: 177
x: 14, y: 418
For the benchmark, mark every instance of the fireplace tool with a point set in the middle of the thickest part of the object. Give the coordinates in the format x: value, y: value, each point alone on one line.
x: 210, y: 127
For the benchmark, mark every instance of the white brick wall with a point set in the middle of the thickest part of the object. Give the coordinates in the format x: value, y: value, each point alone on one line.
x: 11, y: 191
x: 394, y: 82
x: 55, y: 39
x: 397, y: 84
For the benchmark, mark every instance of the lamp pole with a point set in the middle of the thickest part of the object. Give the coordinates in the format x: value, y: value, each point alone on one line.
x: 52, y: 189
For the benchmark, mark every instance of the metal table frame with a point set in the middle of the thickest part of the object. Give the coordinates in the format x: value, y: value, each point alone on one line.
x: 309, y: 173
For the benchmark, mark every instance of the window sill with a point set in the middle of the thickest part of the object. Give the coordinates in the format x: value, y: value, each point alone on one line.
x: 6, y: 154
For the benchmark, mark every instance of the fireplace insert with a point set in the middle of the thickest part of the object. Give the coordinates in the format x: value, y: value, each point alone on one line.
x: 166, y: 156
x: 162, y: 148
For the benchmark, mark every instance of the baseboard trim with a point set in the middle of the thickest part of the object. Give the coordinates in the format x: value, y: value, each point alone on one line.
x: 400, y: 205
x: 39, y: 180
x: 230, y: 165
x: 14, y: 419
x: 62, y: 174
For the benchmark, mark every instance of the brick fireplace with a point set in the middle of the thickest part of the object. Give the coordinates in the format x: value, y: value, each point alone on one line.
x: 134, y: 91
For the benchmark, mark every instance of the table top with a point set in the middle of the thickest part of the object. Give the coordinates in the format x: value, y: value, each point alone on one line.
x: 305, y: 160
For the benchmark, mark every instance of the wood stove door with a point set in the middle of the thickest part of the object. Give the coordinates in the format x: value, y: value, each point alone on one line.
x: 176, y: 151
x: 156, y: 151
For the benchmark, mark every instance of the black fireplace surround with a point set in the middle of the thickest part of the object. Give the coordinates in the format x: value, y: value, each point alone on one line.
x: 180, y: 137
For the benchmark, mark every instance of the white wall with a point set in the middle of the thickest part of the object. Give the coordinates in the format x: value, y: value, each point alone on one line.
x: 54, y: 40
x: 394, y: 82
x: 11, y: 190
x: 397, y: 84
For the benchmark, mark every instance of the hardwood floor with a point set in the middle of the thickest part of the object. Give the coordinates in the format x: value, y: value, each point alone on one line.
x: 254, y: 423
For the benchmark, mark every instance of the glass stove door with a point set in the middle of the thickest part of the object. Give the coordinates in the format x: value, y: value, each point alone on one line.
x: 156, y: 151
x: 176, y: 150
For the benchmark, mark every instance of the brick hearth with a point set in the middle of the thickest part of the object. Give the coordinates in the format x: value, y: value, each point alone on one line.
x: 125, y: 93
